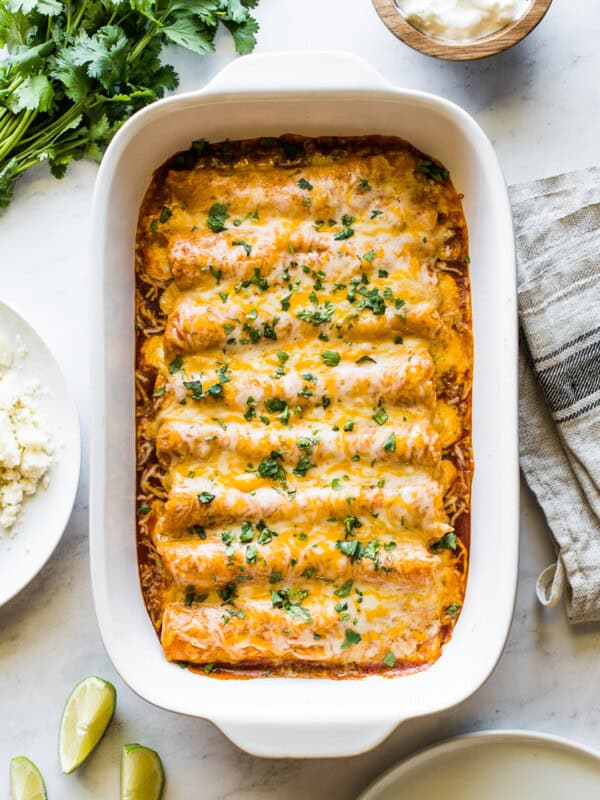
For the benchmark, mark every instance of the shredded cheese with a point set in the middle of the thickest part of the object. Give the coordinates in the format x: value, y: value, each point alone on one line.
x: 25, y: 448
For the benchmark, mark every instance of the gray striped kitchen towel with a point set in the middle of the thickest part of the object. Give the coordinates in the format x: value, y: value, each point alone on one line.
x: 557, y: 226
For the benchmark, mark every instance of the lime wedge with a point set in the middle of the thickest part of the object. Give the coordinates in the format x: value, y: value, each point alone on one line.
x: 88, y: 711
x: 26, y: 782
x: 142, y: 774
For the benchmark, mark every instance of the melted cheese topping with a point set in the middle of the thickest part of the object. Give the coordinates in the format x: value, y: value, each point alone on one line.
x: 304, y: 375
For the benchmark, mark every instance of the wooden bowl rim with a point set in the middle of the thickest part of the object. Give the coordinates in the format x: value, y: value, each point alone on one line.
x: 484, y: 47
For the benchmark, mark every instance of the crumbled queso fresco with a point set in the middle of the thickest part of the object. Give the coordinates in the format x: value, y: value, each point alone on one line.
x: 25, y: 448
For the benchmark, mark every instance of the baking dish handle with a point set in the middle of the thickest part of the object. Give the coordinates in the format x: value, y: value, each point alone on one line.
x: 297, y: 71
x: 307, y: 739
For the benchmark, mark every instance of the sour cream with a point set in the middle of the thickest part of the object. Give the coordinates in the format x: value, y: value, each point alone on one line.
x: 461, y: 20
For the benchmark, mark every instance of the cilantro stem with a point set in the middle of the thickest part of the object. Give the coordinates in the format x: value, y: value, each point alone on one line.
x: 144, y: 42
x: 26, y: 118
x: 51, y: 132
x: 80, y: 14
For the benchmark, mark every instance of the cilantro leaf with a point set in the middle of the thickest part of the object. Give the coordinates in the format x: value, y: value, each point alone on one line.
x: 217, y: 215
x: 189, y: 33
x: 35, y: 94
x: 351, y: 638
x: 244, y: 35
x: 447, y: 542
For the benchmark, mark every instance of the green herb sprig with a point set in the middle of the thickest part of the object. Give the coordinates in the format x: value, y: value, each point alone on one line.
x: 76, y: 70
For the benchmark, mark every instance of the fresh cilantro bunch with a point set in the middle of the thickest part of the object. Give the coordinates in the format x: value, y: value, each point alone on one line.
x: 77, y: 70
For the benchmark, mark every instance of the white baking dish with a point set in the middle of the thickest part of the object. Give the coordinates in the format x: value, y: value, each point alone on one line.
x: 312, y: 94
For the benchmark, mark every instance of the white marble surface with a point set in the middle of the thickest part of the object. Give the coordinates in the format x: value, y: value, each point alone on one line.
x: 540, y: 105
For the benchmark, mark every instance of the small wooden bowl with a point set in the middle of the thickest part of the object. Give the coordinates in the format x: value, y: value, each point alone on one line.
x: 461, y: 51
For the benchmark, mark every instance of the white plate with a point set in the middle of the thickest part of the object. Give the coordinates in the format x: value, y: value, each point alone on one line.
x: 494, y: 765
x: 38, y: 530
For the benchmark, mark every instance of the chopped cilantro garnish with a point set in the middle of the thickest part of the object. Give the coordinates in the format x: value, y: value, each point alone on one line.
x: 330, y: 357
x: 206, y: 497
x: 199, y: 146
x: 285, y: 301
x: 350, y: 525
x: 217, y: 216
x: 306, y: 443
x: 375, y: 213
x: 271, y: 467
x: 345, y: 589
x: 275, y: 405
x: 228, y: 592
x: 371, y: 551
x: 227, y: 537
x: 165, y: 214
x: 351, y: 548
x: 251, y: 554
x: 247, y: 533
x: 290, y: 600
x: 369, y: 256
x: 240, y: 243
x: 447, y: 542
x: 176, y: 365
x: 266, y: 536
x: 303, y: 465
x: 349, y: 425
x: 390, y: 444
x: 189, y: 595
x: 351, y: 638
x: 318, y: 316
x: 389, y: 659
x: 216, y: 273
x: 159, y: 392
x: 364, y: 185
x: 365, y: 359
x: 372, y: 300
x: 250, y: 412
x: 380, y: 416
x: 195, y: 387
x: 144, y: 509
x: 304, y: 184
x: 269, y: 329
x: 431, y: 170
x: 452, y: 610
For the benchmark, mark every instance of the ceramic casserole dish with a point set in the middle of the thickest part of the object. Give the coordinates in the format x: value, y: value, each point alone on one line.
x: 310, y: 94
